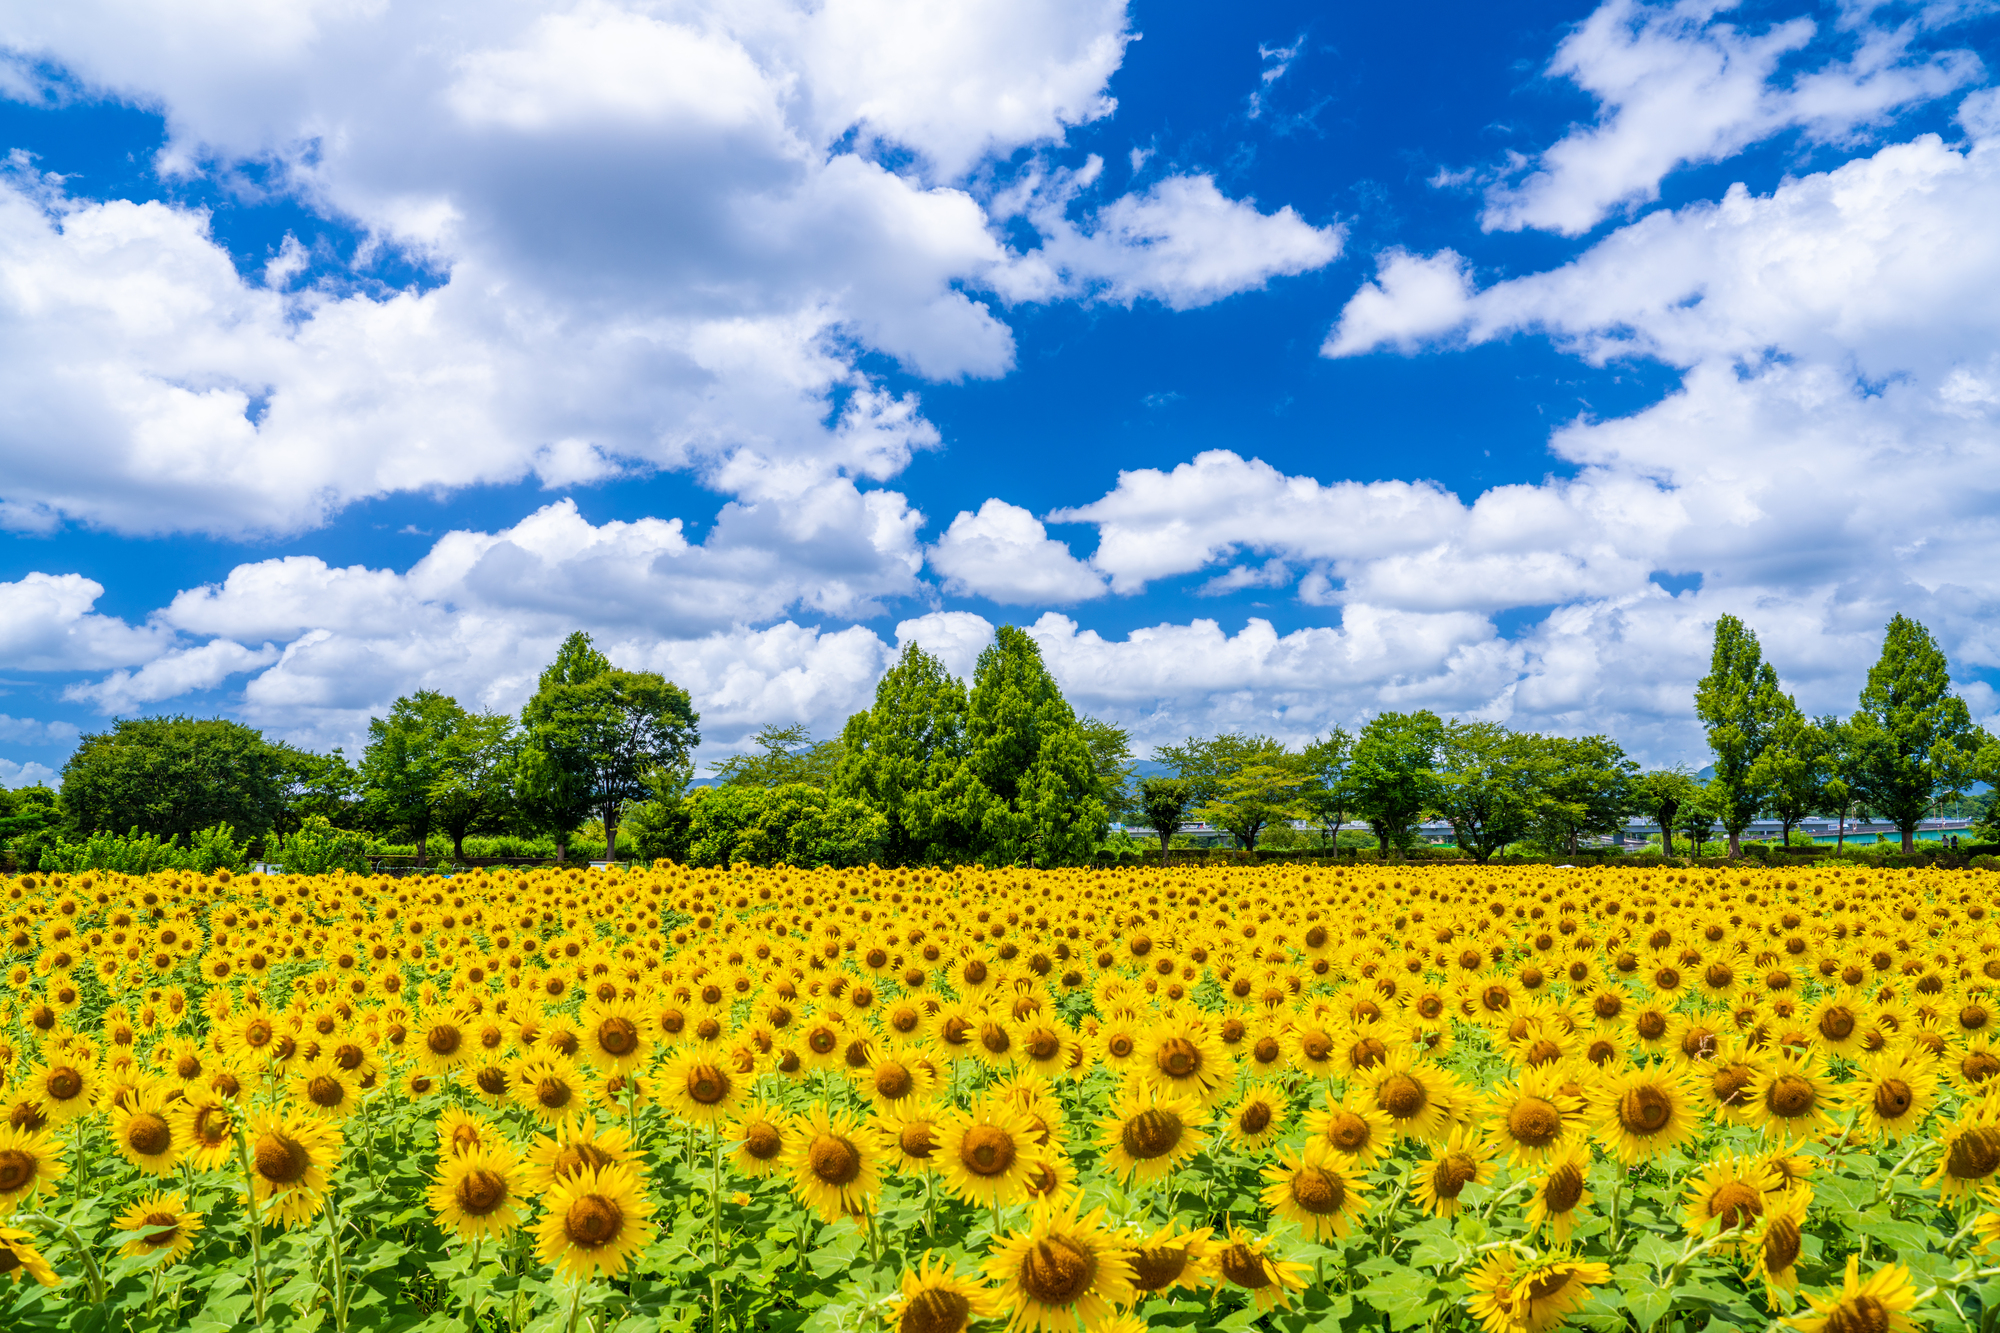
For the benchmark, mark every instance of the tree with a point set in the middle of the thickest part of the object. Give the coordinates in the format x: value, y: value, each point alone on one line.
x: 174, y: 776
x: 598, y: 733
x: 1026, y: 786
x: 1660, y: 796
x: 475, y: 783
x: 1111, y: 761
x: 796, y: 824
x: 1393, y: 772
x: 1910, y: 730
x: 404, y: 765
x: 897, y: 756
x: 323, y: 786
x: 1258, y: 790
x: 1328, y: 796
x: 1586, y: 787
x: 1793, y: 770
x: 786, y: 755
x: 1698, y: 815
x: 1739, y: 702
x: 1165, y: 802
x: 1487, y: 785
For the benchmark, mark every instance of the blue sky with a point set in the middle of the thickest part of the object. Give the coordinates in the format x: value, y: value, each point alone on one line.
x: 1277, y: 364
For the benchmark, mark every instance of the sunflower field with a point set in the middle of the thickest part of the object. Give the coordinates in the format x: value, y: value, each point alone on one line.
x: 925, y: 1101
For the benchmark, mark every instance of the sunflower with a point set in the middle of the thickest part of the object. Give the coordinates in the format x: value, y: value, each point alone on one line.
x: 67, y: 1088
x: 1726, y: 1081
x: 475, y: 1195
x: 1257, y: 1118
x: 1184, y: 1058
x: 1534, y: 1118
x: 1463, y: 1159
x: 1645, y: 1112
x: 1512, y: 1297
x: 1148, y: 1135
x: 697, y: 1089
x: 932, y: 1298
x: 321, y: 1086
x: 1968, y: 1156
x: 144, y: 1136
x: 19, y: 1258
x: 1790, y: 1098
x: 162, y: 1222
x: 1051, y: 1175
x: 894, y: 1080
x: 614, y: 1036
x: 490, y: 1078
x: 1416, y: 1097
x: 577, y: 1145
x: 1879, y: 1304
x: 552, y: 1088
x: 1559, y: 1193
x: 758, y: 1134
x: 1838, y: 1024
x: 30, y: 1163
x: 595, y: 1222
x: 833, y: 1162
x: 1892, y: 1096
x: 984, y: 1153
x: 1246, y: 1262
x: 1063, y: 1273
x: 1972, y: 1063
x: 290, y: 1154
x: 1730, y: 1194
x: 444, y: 1045
x: 1355, y: 1128
x: 1779, y: 1240
x: 1171, y: 1258
x: 459, y: 1131
x: 911, y: 1135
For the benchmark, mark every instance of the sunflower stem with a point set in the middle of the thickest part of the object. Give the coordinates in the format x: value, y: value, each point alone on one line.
x: 472, y: 1290
x: 256, y: 1225
x: 715, y: 1234
x: 1889, y: 1181
x: 339, y: 1265
x: 575, y: 1301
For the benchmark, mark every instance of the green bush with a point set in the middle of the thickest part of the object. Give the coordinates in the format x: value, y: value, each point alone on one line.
x: 319, y: 847
x: 137, y: 853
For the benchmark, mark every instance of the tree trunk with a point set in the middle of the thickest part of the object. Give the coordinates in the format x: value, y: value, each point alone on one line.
x: 458, y: 845
x: 610, y: 834
x: 1840, y: 839
x: 1736, y: 842
x: 1910, y: 839
x: 423, y: 843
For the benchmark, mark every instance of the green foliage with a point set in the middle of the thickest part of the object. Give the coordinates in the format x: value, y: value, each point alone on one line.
x: 597, y: 734
x: 1794, y: 769
x: 1912, y: 740
x: 1165, y: 802
x: 1740, y: 704
x: 1260, y: 789
x: 318, y: 847
x: 1394, y: 774
x: 899, y: 754
x: 171, y: 776
x: 1111, y: 762
x: 785, y: 755
x: 1488, y: 785
x: 797, y: 824
x: 1024, y: 791
x: 137, y: 853
x: 406, y: 762
x: 1584, y: 789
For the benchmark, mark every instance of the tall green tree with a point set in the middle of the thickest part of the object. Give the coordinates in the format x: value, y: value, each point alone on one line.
x: 1585, y: 789
x: 898, y: 756
x: 175, y: 776
x: 1911, y: 733
x: 1026, y: 785
x: 1740, y: 704
x: 1111, y: 761
x: 1328, y: 798
x: 1488, y: 785
x: 474, y: 788
x: 1394, y: 774
x: 600, y: 733
x: 1258, y: 790
x: 1698, y: 815
x: 1794, y: 769
x: 1659, y: 795
x: 405, y: 762
x: 1165, y: 802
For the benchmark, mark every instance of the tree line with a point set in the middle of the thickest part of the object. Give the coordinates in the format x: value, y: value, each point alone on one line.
x: 1000, y: 770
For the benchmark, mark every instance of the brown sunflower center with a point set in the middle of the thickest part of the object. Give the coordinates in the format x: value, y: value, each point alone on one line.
x: 1244, y: 1267
x: 1056, y: 1271
x: 1402, y: 1096
x: 995, y: 1038
x: 1737, y: 1204
x: 1837, y: 1023
x: 1265, y: 1050
x: 553, y: 1093
x: 16, y: 1170
x: 593, y: 1221
x: 917, y: 1139
x: 893, y: 1081
x: 1859, y: 1313
x: 1452, y: 1173
x: 1563, y: 1188
x: 1975, y: 1155
x: 1043, y: 1044
x: 325, y: 1092
x: 1544, y: 1285
x: 834, y: 1160
x: 444, y: 1040
x: 1158, y: 1266
x: 707, y: 1084
x: 1254, y: 1118
x: 480, y: 1193
x: 1543, y: 1052
x: 934, y: 1310
x: 575, y: 1158
x: 1318, y: 1191
x: 161, y: 1229
x: 1732, y: 1085
x: 1364, y: 1054
x: 986, y: 1150
x: 1652, y: 1025
x: 1348, y: 1132
x: 64, y: 1083
x: 1534, y: 1122
x: 1790, y: 1096
x: 1781, y: 1245
x: 148, y: 1135
x: 1154, y: 1132
x: 491, y: 1080
x: 617, y: 1035
x: 762, y: 1140
x: 1893, y: 1099
x: 1645, y: 1110
x: 281, y: 1159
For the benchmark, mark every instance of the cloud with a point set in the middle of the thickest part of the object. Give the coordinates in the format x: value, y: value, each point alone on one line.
x: 28, y: 731
x: 14, y: 774
x: 1677, y: 86
x: 47, y: 624
x: 1003, y: 553
x: 180, y: 672
x: 1413, y: 298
